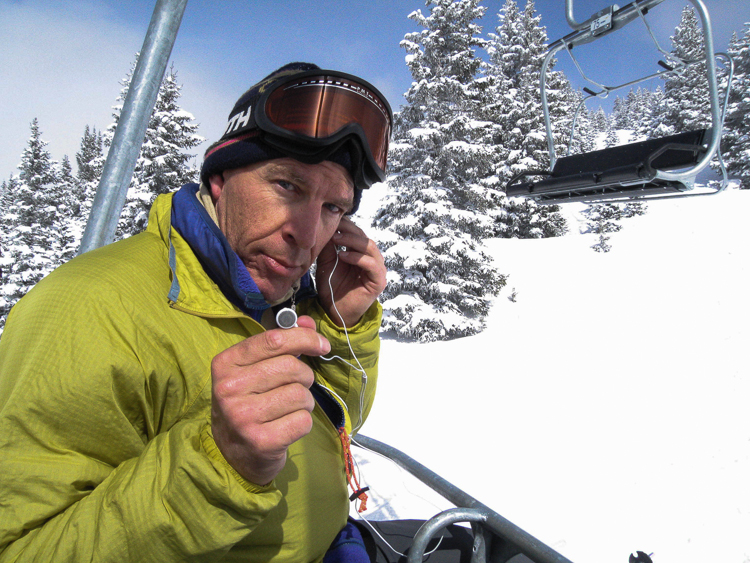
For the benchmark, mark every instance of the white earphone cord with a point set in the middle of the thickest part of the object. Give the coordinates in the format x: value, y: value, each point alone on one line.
x: 364, y: 376
x: 349, y: 344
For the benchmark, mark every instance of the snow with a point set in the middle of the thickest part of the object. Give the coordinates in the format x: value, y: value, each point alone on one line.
x: 419, y: 133
x: 605, y: 410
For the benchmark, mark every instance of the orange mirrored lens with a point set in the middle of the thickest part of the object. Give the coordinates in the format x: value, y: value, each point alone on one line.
x: 319, y: 107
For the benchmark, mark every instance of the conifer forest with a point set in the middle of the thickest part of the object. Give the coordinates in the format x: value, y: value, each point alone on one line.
x: 471, y: 121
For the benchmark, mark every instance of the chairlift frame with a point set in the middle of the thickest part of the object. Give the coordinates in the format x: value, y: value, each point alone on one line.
x: 655, y: 169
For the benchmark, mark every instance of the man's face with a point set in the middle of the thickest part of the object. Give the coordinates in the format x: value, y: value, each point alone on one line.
x: 279, y: 214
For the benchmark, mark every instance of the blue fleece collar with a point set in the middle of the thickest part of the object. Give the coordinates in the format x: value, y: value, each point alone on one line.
x: 220, y: 262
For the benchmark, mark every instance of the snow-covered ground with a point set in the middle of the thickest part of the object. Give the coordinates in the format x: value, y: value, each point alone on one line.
x: 605, y: 410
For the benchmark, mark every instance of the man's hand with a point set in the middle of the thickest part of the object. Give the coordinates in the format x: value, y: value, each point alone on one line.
x: 357, y: 280
x: 261, y: 400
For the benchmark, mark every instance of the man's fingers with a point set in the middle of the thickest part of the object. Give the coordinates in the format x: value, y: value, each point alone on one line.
x: 273, y: 343
x: 306, y: 321
x: 272, y: 405
x: 282, y: 432
x: 262, y: 377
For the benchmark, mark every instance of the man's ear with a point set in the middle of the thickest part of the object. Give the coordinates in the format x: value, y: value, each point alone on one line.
x: 216, y: 186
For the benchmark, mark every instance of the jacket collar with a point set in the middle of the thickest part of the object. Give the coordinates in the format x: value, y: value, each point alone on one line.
x: 191, y: 220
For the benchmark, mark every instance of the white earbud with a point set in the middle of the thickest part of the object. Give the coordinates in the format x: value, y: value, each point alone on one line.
x: 286, y: 318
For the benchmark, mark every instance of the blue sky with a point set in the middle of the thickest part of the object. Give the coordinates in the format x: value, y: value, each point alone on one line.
x: 61, y: 61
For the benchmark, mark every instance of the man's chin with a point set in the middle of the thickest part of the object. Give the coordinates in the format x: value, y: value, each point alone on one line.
x: 274, y: 294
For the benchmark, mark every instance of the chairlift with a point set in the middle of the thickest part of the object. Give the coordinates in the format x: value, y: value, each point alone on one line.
x: 653, y: 169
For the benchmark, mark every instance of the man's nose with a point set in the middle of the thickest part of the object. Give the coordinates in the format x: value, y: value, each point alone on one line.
x: 302, y: 226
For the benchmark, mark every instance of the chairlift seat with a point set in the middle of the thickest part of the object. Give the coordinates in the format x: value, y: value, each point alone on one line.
x: 616, y: 172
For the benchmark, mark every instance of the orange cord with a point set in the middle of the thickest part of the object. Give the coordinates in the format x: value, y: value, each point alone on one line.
x: 351, y: 475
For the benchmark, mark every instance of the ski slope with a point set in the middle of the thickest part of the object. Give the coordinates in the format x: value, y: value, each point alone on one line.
x: 605, y: 410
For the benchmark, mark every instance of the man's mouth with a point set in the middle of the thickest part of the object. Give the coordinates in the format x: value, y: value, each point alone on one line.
x: 282, y: 267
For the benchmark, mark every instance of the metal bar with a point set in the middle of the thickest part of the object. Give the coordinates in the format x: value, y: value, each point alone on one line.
x: 434, y: 525
x: 501, y: 527
x: 545, y: 105
x: 131, y: 127
x: 570, y: 17
x: 626, y: 14
x: 481, y: 543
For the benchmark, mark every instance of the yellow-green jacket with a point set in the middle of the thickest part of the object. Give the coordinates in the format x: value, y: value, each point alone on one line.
x: 106, y: 452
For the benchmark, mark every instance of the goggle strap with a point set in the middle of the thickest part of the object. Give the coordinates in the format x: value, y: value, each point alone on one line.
x: 229, y: 142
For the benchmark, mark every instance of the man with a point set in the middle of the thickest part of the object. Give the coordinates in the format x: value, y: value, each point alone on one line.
x: 150, y: 409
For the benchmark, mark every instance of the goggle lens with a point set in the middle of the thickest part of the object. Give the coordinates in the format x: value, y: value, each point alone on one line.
x: 321, y: 106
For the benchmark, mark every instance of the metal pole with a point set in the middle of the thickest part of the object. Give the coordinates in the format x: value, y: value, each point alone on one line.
x: 131, y: 127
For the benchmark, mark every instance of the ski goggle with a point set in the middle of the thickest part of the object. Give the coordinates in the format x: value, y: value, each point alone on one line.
x: 310, y: 115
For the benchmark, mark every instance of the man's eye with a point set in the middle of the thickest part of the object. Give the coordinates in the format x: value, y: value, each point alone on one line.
x: 286, y: 185
x: 334, y: 208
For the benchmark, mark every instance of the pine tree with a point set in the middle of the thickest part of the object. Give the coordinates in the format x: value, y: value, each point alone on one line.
x: 619, y: 114
x: 611, y: 139
x: 6, y: 197
x: 163, y: 165
x: 31, y: 225
x: 736, y: 140
x: 89, y: 156
x: 90, y: 162
x: 600, y: 121
x: 514, y: 107
x: 68, y: 210
x: 650, y: 116
x: 7, y: 223
x: 564, y: 101
x: 440, y: 280
x: 685, y: 105
x: 604, y: 219
x: 516, y: 53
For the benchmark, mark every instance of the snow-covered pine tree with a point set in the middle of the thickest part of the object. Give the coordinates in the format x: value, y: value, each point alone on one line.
x: 68, y: 209
x: 563, y: 102
x: 619, y: 114
x: 638, y: 104
x: 90, y: 162
x: 6, y: 196
x: 600, y: 122
x: 7, y: 222
x: 632, y: 108
x: 440, y: 281
x: 163, y: 164
x: 33, y: 231
x: 622, y: 115
x: 736, y: 139
x: 601, y: 219
x: 648, y: 117
x: 611, y: 139
x: 514, y: 107
x: 605, y: 218
x: 685, y: 105
x: 89, y: 156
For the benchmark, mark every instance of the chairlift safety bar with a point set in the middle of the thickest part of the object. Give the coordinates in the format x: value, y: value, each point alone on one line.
x: 468, y: 509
